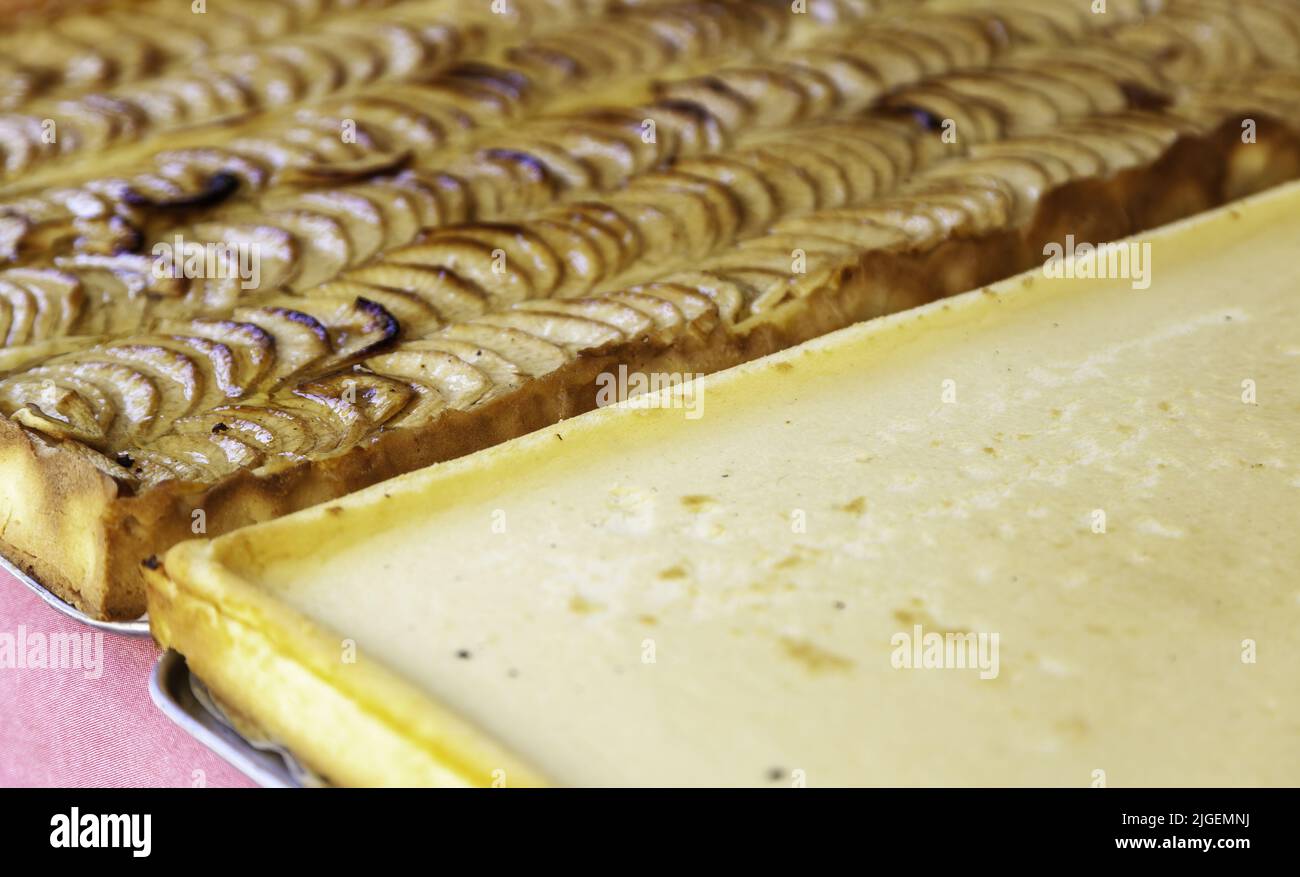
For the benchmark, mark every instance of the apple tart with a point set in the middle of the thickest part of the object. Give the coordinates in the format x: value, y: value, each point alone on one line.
x: 452, y: 245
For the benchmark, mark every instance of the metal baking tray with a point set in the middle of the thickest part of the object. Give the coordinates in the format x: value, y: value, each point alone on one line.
x: 185, y: 700
x: 138, y: 627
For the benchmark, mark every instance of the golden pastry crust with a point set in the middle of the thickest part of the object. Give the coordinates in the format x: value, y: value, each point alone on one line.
x: 54, y: 529
x: 370, y: 710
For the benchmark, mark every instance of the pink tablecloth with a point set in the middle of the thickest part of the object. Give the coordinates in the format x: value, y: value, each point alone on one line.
x: 87, y: 722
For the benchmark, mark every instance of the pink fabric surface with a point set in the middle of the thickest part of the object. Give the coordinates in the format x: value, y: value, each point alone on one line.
x: 60, y: 728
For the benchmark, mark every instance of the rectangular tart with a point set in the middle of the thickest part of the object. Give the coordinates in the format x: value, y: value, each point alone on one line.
x: 1092, y: 479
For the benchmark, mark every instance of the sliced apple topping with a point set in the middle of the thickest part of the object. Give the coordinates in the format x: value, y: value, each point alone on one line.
x: 17, y: 313
x: 503, y: 374
x: 438, y: 379
x: 628, y: 320
x: 348, y: 406
x: 361, y: 221
x: 277, y: 249
x: 450, y: 297
x: 662, y: 313
x: 123, y: 401
x: 413, y: 312
x: 571, y: 333
x: 274, y: 431
x: 300, y: 340
x: 530, y: 354
x: 251, y: 349
x: 475, y: 256
x: 442, y: 211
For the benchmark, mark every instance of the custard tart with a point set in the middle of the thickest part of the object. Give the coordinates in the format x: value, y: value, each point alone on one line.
x: 1009, y: 538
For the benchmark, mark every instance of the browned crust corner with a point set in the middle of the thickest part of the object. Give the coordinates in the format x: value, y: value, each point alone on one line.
x: 54, y: 511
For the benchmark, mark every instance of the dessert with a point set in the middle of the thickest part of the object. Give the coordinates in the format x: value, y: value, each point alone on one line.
x: 449, y: 257
x: 1091, y: 484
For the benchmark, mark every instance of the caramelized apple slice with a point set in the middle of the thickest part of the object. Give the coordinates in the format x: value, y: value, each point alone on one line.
x: 1026, y: 177
x: 661, y: 312
x: 828, y: 177
x: 114, y: 300
x: 361, y: 220
x: 18, y: 313
x: 572, y: 333
x: 401, y: 217
x: 6, y: 317
x: 531, y: 355
x: 615, y: 235
x: 273, y: 81
x: 659, y: 232
x: 274, y: 431
x: 453, y: 381
x: 411, y: 310
x: 300, y: 339
x: 60, y: 298
x: 325, y: 247
x: 277, y: 250
x: 932, y: 106
x: 731, y: 108
x: 504, y: 183
x: 611, y: 142
x: 213, y: 363
x: 679, y: 215
x: 450, y: 297
x: 693, y: 128
x: 1077, y: 158
x: 440, y: 199
x: 806, y: 92
x: 180, y: 380
x: 201, y: 459
x: 345, y: 407
x: 626, y: 319
x: 584, y: 265
x: 123, y: 396
x: 320, y: 69
x: 16, y: 359
x: 503, y: 374
x: 501, y: 261
x: 403, y: 125
x: 62, y: 409
x: 201, y: 164
x: 565, y: 170
x: 694, y: 303
x: 850, y: 226
x: 773, y: 254
x: 756, y: 196
x: 695, y: 293
x: 1022, y: 106
x: 986, y: 203
x: 357, y: 328
x: 253, y: 349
